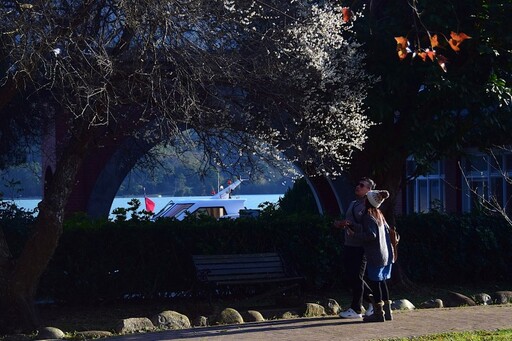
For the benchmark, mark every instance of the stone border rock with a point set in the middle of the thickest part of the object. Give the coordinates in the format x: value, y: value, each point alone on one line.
x: 174, y: 320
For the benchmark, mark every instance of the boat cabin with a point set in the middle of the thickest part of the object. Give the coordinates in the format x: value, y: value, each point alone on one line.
x: 219, y: 205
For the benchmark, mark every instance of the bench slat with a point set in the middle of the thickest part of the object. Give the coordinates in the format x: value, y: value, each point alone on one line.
x: 247, y: 258
x: 241, y: 271
x: 238, y: 256
x: 214, y: 266
x: 262, y: 281
x: 220, y: 277
x: 241, y: 268
x: 227, y: 272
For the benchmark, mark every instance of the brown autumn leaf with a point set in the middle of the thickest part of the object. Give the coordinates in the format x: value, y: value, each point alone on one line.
x: 457, y: 39
x: 433, y: 41
x: 401, y: 47
x: 427, y: 54
x: 431, y: 54
x: 347, y: 14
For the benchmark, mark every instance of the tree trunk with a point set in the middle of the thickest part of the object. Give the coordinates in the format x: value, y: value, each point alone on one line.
x: 19, y: 278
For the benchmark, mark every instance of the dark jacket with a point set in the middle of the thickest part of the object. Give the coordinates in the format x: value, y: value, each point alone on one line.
x: 355, y: 214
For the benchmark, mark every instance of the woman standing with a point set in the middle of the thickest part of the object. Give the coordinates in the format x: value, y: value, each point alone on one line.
x: 379, y: 254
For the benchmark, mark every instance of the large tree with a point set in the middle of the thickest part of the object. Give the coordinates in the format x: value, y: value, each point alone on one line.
x: 433, y: 108
x: 259, y: 77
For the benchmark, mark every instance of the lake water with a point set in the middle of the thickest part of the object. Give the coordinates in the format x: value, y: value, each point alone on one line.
x: 252, y: 201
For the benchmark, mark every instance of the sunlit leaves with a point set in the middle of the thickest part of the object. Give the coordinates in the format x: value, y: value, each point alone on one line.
x: 498, y: 86
x: 403, y: 47
x: 347, y: 14
x: 457, y: 39
x: 427, y: 54
x: 433, y: 41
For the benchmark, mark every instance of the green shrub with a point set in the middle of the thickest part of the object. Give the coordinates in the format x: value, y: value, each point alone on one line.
x: 442, y: 248
x: 148, y: 259
x: 16, y: 224
x: 298, y: 199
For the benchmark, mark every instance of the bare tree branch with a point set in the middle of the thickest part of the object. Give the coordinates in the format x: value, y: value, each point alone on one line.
x: 491, y: 203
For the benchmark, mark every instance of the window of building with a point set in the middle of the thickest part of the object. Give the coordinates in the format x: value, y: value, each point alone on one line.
x: 484, y: 175
x: 425, y: 192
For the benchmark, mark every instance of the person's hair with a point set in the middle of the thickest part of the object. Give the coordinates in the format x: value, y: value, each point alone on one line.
x: 374, y: 212
x: 369, y: 181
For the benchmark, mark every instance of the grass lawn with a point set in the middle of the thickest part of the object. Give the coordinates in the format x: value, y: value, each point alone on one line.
x: 505, y: 334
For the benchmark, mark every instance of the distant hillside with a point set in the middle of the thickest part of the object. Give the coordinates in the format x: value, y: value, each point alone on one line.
x: 25, y: 182
x: 186, y: 183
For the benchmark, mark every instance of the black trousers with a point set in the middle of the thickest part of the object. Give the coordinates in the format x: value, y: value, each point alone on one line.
x: 355, y: 267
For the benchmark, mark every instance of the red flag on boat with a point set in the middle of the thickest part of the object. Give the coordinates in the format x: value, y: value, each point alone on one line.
x: 150, y: 204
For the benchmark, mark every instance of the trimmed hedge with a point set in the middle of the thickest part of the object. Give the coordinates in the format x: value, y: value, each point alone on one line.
x: 442, y: 248
x: 144, y: 259
x: 137, y: 258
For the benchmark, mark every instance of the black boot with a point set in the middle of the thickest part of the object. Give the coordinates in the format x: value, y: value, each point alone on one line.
x: 387, y: 311
x: 378, y: 313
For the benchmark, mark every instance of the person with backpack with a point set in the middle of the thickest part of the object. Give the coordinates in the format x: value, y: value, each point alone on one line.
x: 376, y: 241
x: 354, y: 260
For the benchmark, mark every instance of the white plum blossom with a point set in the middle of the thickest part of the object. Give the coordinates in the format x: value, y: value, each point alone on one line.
x: 322, y: 65
x: 284, y: 77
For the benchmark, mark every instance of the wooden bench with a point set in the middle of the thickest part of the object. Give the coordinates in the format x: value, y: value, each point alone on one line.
x: 223, y: 273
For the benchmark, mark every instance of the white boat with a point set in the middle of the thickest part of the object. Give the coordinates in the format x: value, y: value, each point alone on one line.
x: 220, y: 205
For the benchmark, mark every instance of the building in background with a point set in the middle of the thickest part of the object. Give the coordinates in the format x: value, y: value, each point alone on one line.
x: 458, y: 186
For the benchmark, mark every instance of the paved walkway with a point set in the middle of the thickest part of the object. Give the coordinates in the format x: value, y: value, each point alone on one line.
x: 405, y: 324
